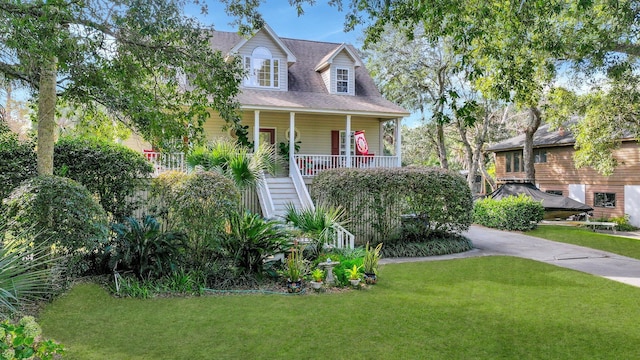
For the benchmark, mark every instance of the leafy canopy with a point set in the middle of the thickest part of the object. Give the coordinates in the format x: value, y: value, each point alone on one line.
x: 145, y: 62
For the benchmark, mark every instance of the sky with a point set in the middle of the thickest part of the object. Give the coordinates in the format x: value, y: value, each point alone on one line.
x: 320, y: 22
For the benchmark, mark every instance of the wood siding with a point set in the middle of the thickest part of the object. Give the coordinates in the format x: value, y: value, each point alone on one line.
x: 559, y: 172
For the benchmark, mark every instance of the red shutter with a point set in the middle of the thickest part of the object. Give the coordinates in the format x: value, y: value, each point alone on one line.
x: 335, y: 142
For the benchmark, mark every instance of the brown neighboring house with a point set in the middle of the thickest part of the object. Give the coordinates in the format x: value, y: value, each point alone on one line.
x: 614, y: 195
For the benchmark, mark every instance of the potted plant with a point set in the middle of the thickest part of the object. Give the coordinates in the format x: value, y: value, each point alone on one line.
x: 318, y: 276
x: 370, y: 263
x: 354, y: 275
x: 294, y: 270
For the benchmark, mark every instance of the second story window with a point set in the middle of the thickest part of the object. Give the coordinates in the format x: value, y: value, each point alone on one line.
x: 540, y: 156
x: 513, y: 162
x: 342, y: 81
x: 262, y: 69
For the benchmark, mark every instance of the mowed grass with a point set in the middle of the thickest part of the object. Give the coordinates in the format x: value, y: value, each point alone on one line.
x: 584, y: 237
x: 478, y: 308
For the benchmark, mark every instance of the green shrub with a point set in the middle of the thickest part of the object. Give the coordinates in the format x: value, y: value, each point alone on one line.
x: 443, y: 245
x: 199, y: 205
x: 250, y: 240
x: 513, y: 213
x: 57, y: 211
x: 23, y: 341
x: 17, y: 162
x: 145, y: 249
x: 111, y: 171
x: 375, y: 199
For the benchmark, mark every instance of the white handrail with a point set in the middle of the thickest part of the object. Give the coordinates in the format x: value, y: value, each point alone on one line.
x: 344, y: 239
x: 301, y: 187
x: 264, y: 196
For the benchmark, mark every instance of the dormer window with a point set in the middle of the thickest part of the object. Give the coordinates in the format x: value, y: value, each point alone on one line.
x: 342, y: 81
x: 262, y: 69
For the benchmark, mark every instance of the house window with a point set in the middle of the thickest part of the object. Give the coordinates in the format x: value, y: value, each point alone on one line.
x: 262, y: 69
x: 343, y: 143
x: 606, y: 200
x: 540, y: 156
x: 554, y: 192
x: 342, y: 81
x: 514, y: 162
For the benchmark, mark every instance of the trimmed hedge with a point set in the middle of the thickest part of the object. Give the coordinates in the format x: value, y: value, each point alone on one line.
x: 111, y: 171
x: 376, y: 199
x: 514, y: 213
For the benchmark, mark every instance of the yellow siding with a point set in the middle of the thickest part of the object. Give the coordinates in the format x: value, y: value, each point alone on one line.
x: 136, y: 142
x: 314, y: 130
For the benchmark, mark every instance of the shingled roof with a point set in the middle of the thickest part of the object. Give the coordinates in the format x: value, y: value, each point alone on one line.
x: 544, y: 137
x: 307, y: 91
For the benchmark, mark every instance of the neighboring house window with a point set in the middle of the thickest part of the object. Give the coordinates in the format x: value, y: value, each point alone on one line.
x: 540, y: 156
x: 607, y: 200
x: 262, y: 69
x: 514, y: 161
x: 343, y: 143
x: 342, y: 81
x: 554, y: 192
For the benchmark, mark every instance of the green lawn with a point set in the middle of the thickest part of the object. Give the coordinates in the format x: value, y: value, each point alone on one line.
x: 478, y: 308
x: 584, y: 237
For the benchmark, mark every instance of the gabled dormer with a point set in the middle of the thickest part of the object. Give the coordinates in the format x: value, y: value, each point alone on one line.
x: 338, y: 70
x: 266, y: 59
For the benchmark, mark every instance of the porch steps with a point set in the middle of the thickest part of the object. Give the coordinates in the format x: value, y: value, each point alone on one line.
x: 283, y: 192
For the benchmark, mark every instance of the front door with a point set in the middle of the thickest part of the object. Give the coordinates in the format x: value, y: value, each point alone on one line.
x: 267, y: 136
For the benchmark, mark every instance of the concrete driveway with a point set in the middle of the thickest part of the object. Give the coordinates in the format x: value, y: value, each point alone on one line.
x: 495, y: 242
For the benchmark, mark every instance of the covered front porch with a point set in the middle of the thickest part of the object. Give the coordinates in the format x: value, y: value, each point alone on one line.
x: 317, y: 142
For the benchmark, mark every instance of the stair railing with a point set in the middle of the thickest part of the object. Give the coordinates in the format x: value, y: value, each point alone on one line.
x: 301, y: 187
x: 344, y: 239
x: 264, y: 196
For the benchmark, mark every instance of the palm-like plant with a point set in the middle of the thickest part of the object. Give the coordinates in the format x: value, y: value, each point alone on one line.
x: 26, y: 271
x: 251, y: 239
x: 317, y: 224
x: 234, y: 161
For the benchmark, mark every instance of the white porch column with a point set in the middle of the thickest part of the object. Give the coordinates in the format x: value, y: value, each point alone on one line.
x: 398, y: 141
x: 292, y: 140
x: 347, y: 141
x: 256, y: 130
x: 381, y: 138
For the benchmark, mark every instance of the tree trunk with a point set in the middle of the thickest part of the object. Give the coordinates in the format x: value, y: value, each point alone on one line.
x: 535, y: 119
x: 46, y: 116
x: 470, y: 164
x: 442, y: 150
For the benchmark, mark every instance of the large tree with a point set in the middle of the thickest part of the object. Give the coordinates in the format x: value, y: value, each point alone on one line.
x: 417, y: 74
x: 145, y: 62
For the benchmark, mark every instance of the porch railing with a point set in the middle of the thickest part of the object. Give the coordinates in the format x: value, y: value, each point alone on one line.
x: 163, y: 162
x: 310, y: 165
